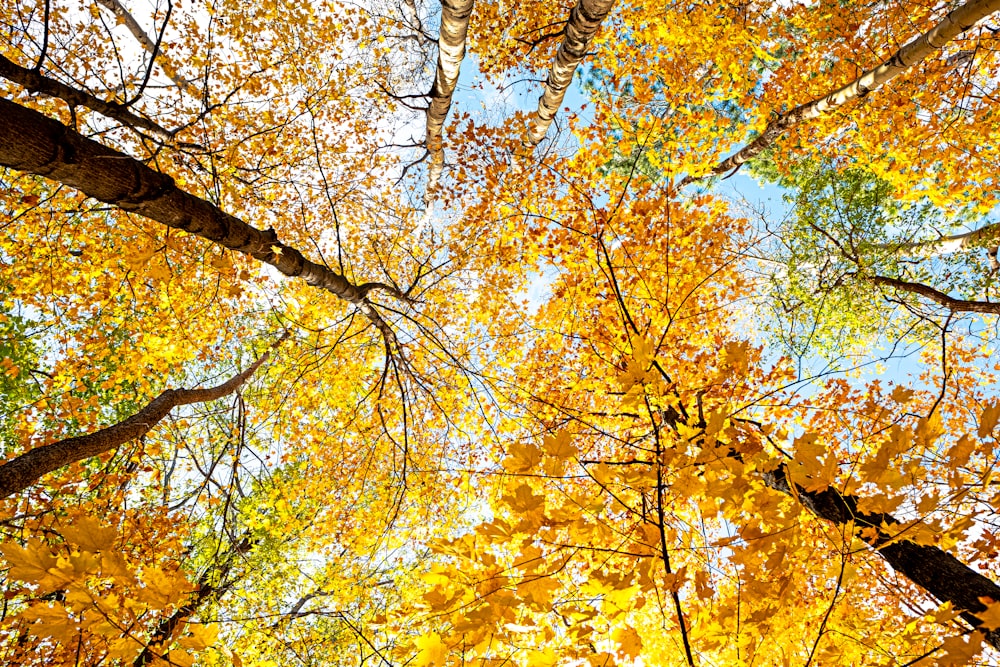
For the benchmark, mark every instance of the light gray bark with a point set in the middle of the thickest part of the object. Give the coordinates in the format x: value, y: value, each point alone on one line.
x: 951, y: 26
x: 584, y: 20
x: 451, y: 50
x: 149, y: 45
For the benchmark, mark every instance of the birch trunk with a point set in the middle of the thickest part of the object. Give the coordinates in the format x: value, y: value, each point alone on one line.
x: 23, y: 471
x: 984, y: 237
x: 951, y: 26
x: 584, y: 20
x: 451, y: 50
x: 34, y: 143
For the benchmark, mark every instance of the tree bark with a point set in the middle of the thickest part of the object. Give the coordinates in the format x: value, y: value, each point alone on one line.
x: 23, y: 471
x: 34, y: 143
x: 584, y: 20
x: 933, y: 569
x: 951, y: 26
x: 984, y: 237
x: 955, y: 305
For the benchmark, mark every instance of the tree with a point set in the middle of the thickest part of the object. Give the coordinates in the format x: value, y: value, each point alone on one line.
x: 431, y: 469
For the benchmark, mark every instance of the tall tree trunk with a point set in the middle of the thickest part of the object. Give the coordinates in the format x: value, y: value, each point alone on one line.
x: 451, y: 50
x: 584, y: 20
x: 933, y: 569
x: 951, y: 26
x: 23, y: 471
x: 34, y: 143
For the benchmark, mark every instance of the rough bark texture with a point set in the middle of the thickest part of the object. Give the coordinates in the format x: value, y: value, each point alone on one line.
x: 34, y: 82
x: 955, y: 305
x: 149, y: 45
x: 23, y: 471
x: 584, y: 20
x: 935, y: 570
x: 34, y: 143
x: 951, y: 26
x: 451, y: 50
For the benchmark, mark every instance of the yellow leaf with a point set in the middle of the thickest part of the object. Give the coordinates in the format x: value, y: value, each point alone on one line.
x: 138, y: 258
x: 989, y: 418
x: 87, y: 534
x: 629, y: 641
x: 990, y: 617
x: 433, y: 651
x: 30, y: 564
x: 221, y: 262
x: 901, y: 395
x: 960, y: 650
x: 559, y: 445
x: 158, y: 271
x: 522, y: 458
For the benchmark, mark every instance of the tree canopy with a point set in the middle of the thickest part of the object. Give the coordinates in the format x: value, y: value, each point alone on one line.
x: 320, y: 345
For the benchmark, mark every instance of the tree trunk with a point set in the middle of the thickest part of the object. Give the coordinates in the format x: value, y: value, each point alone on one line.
x: 951, y: 26
x: 933, y: 569
x: 451, y: 50
x: 584, y: 20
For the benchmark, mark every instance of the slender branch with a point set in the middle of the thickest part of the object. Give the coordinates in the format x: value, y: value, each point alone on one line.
x: 951, y: 26
x: 23, y: 471
x: 150, y: 46
x: 152, y: 56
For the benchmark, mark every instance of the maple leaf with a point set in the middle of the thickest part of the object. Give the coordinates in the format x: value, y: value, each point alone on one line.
x: 433, y: 652
x: 990, y: 617
x: 988, y: 419
x: 522, y: 457
x: 960, y: 649
x: 559, y: 445
x: 629, y: 641
x: 88, y: 534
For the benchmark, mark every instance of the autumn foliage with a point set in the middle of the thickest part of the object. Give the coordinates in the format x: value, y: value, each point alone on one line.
x: 323, y: 343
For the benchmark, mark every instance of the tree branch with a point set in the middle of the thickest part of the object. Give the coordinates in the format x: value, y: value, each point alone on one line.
x: 150, y: 45
x: 933, y: 569
x: 34, y: 82
x: 23, y: 471
x: 954, y: 305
